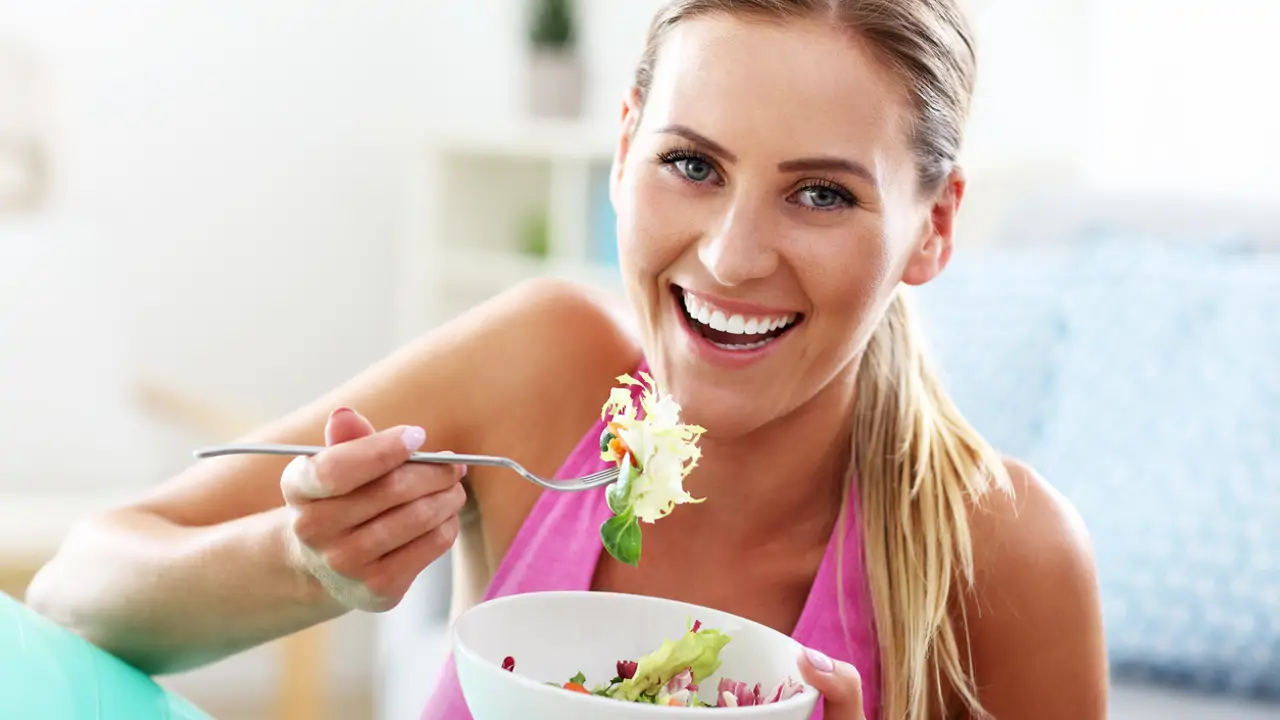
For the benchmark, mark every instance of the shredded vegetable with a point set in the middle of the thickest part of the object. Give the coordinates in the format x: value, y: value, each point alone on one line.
x: 672, y: 674
x: 654, y: 452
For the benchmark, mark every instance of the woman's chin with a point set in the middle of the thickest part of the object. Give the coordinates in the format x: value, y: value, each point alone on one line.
x: 723, y: 412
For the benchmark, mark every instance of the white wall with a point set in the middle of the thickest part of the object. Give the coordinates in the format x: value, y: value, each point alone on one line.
x: 229, y: 179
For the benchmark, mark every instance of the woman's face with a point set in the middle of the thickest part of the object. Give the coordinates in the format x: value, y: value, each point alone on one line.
x: 767, y: 207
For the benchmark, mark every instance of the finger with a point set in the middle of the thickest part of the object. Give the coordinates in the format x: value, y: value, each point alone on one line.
x: 839, y: 683
x: 323, y: 520
x: 392, y: 575
x: 342, y: 468
x: 300, y: 482
x: 393, y: 529
x: 346, y: 425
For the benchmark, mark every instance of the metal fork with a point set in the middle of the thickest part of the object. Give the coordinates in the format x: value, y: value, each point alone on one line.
x: 594, y: 480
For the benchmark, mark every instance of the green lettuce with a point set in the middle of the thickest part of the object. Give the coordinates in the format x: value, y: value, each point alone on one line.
x: 698, y: 651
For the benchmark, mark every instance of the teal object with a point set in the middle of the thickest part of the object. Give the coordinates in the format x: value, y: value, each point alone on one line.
x: 49, y: 673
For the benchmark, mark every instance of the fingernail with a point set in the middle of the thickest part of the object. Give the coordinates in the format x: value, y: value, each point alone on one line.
x: 338, y: 411
x: 413, y: 437
x: 819, y: 661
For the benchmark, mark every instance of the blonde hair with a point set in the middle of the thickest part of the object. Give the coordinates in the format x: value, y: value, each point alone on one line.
x: 920, y: 465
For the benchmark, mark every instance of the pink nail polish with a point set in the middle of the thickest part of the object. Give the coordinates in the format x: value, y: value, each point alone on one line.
x: 413, y: 437
x: 819, y: 661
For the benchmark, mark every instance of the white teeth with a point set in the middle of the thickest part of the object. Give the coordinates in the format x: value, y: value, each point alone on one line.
x: 745, y: 346
x: 733, y: 323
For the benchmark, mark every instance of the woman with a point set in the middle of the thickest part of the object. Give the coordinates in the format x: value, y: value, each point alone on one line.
x: 789, y: 166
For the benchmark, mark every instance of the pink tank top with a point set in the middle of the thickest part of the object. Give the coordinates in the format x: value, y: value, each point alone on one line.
x: 558, y: 548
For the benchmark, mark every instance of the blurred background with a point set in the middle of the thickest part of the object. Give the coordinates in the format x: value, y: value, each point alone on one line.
x: 212, y: 211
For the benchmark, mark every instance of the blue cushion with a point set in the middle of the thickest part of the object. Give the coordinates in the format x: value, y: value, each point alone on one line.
x: 996, y: 323
x: 1164, y: 433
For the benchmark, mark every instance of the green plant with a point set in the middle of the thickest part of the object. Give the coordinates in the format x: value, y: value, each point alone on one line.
x: 535, y: 234
x: 553, y: 24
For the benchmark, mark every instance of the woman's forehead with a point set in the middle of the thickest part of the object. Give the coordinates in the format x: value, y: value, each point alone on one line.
x: 796, y: 87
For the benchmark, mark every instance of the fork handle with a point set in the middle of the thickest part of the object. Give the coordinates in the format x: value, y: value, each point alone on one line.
x: 439, y: 458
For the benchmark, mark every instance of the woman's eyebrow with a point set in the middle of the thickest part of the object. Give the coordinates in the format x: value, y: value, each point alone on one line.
x: 688, y: 133
x: 829, y: 164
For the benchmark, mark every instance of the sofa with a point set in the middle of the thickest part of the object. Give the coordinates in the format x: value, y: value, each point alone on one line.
x: 1142, y: 379
x: 1127, y: 345
x: 1130, y: 352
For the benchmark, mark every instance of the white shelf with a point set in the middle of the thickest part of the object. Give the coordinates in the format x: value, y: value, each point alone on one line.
x: 475, y: 192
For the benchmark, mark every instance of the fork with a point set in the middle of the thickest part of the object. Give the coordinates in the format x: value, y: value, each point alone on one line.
x: 587, y: 482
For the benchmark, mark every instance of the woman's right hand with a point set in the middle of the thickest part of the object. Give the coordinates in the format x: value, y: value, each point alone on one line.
x: 362, y: 521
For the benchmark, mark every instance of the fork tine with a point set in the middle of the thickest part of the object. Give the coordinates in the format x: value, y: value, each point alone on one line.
x: 600, y: 478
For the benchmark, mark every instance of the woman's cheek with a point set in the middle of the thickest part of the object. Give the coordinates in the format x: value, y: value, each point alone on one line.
x: 655, y: 238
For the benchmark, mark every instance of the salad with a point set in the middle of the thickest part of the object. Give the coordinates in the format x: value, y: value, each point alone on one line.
x: 654, y: 453
x: 671, y: 675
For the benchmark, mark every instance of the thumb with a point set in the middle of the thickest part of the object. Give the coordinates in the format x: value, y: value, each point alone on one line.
x: 346, y: 425
x: 839, y: 683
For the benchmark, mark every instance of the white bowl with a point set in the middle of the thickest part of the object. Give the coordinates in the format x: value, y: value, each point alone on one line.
x: 554, y: 635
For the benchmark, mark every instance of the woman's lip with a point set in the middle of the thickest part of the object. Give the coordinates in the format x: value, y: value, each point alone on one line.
x: 736, y: 306
x: 715, y: 355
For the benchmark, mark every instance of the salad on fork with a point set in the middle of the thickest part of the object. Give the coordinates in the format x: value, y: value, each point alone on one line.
x: 654, y: 452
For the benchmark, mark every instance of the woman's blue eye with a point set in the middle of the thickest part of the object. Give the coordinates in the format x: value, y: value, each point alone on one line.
x: 820, y: 197
x: 694, y: 169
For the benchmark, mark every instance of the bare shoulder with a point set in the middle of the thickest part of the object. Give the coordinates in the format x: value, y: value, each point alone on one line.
x: 1035, y: 619
x: 1027, y: 528
x: 545, y: 344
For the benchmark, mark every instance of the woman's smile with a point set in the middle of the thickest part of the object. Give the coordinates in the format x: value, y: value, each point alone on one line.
x: 729, y: 332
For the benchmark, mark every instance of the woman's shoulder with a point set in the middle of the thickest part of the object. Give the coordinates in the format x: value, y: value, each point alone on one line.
x: 1030, y: 546
x: 1036, y: 596
x: 537, y: 349
x: 1031, y: 524
x: 549, y: 334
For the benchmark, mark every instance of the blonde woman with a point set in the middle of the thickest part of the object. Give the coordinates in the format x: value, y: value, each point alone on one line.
x: 785, y: 170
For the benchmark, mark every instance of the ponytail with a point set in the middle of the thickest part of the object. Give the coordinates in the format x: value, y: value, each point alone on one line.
x: 920, y: 465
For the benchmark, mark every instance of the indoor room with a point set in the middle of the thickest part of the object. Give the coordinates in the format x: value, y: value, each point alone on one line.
x: 215, y: 215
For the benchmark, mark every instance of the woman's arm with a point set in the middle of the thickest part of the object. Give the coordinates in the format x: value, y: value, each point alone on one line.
x: 202, y: 566
x: 1035, y: 622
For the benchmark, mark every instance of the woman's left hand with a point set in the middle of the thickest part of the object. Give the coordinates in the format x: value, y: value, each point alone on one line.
x: 839, y: 683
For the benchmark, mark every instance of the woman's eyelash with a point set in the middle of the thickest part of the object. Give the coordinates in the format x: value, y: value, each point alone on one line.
x: 677, y: 154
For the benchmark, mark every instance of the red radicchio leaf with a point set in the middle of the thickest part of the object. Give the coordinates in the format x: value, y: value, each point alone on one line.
x: 509, y: 664
x: 627, y: 669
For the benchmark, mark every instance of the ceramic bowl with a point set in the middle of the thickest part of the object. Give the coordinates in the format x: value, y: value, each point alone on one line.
x: 553, y: 636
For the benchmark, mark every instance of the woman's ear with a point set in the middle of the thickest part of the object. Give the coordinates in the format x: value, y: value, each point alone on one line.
x: 626, y: 130
x: 933, y: 253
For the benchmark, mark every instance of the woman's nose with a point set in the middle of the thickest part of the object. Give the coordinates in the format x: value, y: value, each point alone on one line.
x: 741, y: 248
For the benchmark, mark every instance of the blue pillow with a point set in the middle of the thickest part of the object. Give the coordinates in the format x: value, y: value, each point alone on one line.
x: 1164, y: 434
x: 996, y: 324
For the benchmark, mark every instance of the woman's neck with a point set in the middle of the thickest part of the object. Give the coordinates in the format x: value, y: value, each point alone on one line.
x: 785, y: 476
